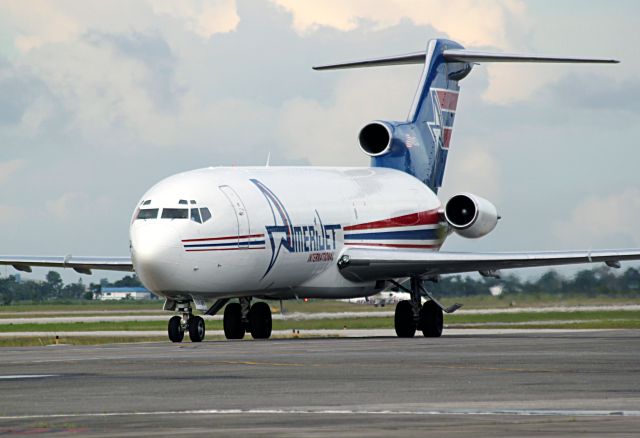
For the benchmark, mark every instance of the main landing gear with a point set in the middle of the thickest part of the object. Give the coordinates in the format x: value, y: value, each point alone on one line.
x: 242, y: 317
x: 411, y: 315
x: 188, y: 322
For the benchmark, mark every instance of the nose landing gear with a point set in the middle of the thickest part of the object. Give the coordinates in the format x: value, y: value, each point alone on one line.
x: 176, y: 331
x: 194, y: 325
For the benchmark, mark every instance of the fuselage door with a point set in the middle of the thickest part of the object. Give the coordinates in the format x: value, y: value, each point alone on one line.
x: 241, y: 211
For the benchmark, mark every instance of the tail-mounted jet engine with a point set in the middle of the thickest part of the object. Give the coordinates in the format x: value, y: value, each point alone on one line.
x: 375, y: 138
x: 471, y: 216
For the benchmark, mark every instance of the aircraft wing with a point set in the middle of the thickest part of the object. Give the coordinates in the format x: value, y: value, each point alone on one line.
x: 83, y: 265
x: 362, y: 264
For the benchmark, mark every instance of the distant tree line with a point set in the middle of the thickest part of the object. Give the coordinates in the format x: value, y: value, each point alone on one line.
x: 13, y: 290
x: 588, y: 282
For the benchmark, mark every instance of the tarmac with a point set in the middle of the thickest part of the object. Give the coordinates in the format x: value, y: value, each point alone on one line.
x: 552, y: 383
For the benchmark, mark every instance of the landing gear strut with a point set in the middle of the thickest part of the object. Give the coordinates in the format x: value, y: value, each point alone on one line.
x: 187, y: 322
x: 243, y: 317
x: 411, y: 315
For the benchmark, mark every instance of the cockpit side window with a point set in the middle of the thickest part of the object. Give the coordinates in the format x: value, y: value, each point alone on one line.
x: 147, y: 213
x: 175, y: 213
x: 195, y: 215
x: 206, y: 214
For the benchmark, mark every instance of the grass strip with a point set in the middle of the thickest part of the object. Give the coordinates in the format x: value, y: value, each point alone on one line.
x: 603, y: 318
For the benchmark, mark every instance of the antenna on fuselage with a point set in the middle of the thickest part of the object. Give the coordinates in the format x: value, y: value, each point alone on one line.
x: 268, y: 159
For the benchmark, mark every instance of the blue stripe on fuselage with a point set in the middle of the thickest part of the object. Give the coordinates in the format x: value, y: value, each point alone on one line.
x: 430, y: 234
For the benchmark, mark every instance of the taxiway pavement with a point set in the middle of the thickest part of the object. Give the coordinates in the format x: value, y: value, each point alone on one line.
x: 562, y: 383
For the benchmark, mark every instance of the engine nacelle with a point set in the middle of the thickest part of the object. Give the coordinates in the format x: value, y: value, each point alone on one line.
x: 375, y: 138
x: 471, y: 216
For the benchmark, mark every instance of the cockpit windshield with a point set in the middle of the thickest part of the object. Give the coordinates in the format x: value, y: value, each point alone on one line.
x: 206, y: 214
x: 147, y: 213
x: 194, y: 213
x: 175, y: 213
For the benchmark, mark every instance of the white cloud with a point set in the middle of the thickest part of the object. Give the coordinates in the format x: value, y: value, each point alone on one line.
x: 472, y: 22
x: 38, y: 23
x: 473, y: 170
x: 64, y: 207
x: 603, y: 220
x: 10, y: 213
x: 9, y: 169
x: 499, y: 24
x: 327, y: 134
x: 204, y: 18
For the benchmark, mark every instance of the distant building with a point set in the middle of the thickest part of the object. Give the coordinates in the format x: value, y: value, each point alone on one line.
x: 124, y: 293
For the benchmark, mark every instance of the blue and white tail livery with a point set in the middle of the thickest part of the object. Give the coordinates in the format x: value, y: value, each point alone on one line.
x: 420, y: 145
x: 219, y: 237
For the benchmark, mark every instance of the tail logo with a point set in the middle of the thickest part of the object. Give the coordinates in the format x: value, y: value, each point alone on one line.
x: 444, y: 104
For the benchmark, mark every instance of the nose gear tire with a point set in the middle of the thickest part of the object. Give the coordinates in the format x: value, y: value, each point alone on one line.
x: 176, y: 332
x: 196, y: 329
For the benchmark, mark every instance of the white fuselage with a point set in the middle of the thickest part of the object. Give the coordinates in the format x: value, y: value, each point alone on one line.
x: 275, y: 231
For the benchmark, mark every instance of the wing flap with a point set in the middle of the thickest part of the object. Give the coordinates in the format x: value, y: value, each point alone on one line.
x: 362, y: 264
x: 83, y: 265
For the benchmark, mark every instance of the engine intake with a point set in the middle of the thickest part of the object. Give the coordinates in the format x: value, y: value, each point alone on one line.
x: 375, y: 138
x: 471, y: 216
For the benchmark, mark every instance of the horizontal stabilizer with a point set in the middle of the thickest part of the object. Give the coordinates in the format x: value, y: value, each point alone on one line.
x: 409, y: 58
x: 473, y: 56
x: 462, y: 55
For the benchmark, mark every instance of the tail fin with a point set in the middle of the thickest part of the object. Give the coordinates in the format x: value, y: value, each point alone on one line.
x: 419, y: 146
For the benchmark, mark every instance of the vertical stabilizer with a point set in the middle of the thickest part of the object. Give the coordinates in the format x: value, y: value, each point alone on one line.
x: 420, y: 145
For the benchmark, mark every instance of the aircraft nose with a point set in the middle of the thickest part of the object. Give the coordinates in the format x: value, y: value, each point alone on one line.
x: 155, y: 251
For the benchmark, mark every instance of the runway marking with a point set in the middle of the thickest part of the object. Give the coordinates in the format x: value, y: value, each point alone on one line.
x: 480, y: 368
x: 274, y: 364
x: 364, y: 412
x: 27, y: 376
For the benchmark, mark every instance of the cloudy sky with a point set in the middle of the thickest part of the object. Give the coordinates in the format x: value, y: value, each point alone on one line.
x: 99, y: 100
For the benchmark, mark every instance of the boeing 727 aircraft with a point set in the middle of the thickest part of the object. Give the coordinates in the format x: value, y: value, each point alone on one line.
x: 225, y: 235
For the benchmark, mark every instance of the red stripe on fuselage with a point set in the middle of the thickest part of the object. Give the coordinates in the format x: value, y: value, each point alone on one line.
x: 223, y: 238
x: 240, y: 248
x: 430, y: 217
